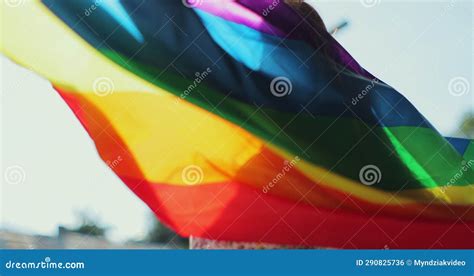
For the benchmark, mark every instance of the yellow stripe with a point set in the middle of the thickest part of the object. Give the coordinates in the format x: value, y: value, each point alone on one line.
x: 462, y: 195
x: 165, y: 137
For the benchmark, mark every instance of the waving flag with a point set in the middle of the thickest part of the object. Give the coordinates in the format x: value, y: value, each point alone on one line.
x: 243, y: 121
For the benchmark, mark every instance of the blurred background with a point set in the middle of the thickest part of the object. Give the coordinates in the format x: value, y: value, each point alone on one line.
x: 64, y: 196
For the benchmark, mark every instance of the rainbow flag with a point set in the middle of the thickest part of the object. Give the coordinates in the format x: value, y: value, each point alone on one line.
x: 243, y: 121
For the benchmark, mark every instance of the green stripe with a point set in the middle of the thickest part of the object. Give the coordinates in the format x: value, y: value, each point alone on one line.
x: 469, y: 153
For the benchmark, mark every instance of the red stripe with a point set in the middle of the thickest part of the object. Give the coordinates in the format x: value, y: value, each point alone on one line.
x: 235, y: 212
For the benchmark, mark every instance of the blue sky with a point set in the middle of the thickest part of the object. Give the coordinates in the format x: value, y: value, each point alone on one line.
x: 416, y: 46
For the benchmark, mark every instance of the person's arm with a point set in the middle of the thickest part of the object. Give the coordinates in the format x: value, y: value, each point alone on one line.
x: 309, y: 14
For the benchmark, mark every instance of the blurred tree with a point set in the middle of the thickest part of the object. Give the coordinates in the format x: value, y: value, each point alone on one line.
x: 160, y: 233
x: 89, y: 226
x: 467, y: 126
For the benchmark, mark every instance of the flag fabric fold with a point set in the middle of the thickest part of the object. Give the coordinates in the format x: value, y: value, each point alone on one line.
x: 239, y: 120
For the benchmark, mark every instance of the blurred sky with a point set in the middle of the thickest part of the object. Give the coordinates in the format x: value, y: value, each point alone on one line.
x: 415, y: 46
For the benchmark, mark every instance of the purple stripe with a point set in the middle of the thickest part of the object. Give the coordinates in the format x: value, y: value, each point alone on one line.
x: 283, y: 17
x: 235, y: 12
x: 286, y: 19
x: 275, y: 17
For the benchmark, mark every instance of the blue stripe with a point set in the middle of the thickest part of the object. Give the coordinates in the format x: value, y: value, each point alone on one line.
x: 460, y: 144
x: 117, y: 11
x: 321, y: 86
x: 244, y: 62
